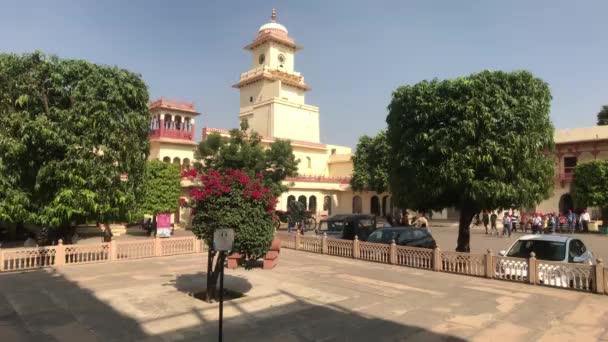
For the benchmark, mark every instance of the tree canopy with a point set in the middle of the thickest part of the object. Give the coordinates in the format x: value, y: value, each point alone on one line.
x: 68, y: 130
x: 602, y: 116
x: 246, y: 152
x: 370, y: 164
x: 590, y: 184
x: 475, y: 142
x: 161, y: 188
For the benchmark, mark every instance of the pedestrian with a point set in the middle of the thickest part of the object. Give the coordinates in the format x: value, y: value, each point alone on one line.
x: 493, y: 218
x: 562, y: 222
x: 524, y: 221
x: 422, y: 221
x: 554, y: 221
x: 107, y: 234
x: 571, y: 220
x: 585, y: 219
x: 506, y: 223
x: 485, y: 217
x: 537, y: 224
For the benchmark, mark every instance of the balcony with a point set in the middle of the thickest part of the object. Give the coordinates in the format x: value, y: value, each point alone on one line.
x: 319, y: 179
x: 172, y: 134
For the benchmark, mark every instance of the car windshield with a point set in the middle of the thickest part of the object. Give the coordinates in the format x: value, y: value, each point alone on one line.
x: 383, y: 236
x: 544, y: 250
x: 331, y: 226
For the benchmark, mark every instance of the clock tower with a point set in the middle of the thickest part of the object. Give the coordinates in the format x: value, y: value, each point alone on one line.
x: 272, y: 92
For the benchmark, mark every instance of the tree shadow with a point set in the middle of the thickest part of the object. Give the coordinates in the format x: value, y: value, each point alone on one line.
x: 45, y: 305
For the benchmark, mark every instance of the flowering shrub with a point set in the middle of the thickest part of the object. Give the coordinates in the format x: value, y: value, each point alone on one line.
x: 189, y: 173
x: 235, y: 200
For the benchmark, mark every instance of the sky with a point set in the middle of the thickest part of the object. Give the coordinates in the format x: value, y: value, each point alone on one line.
x: 356, y: 53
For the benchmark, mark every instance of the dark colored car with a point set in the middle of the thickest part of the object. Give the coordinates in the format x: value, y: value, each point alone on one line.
x: 347, y: 226
x: 404, y: 236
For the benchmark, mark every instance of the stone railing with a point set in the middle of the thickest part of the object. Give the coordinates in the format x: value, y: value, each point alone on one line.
x: 582, y: 277
x: 19, y: 259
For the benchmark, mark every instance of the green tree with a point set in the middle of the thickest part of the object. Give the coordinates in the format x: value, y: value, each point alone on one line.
x: 590, y: 185
x: 474, y: 142
x: 370, y: 164
x: 68, y: 130
x: 602, y: 116
x: 246, y: 152
x: 161, y: 188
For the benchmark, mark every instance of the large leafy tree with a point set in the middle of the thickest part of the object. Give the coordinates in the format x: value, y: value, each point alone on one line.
x: 68, y: 130
x: 161, y: 188
x: 590, y: 185
x: 370, y: 164
x: 474, y: 142
x: 602, y: 116
x: 246, y: 154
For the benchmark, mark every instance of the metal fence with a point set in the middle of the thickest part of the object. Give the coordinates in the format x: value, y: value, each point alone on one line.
x: 582, y: 277
x: 18, y: 259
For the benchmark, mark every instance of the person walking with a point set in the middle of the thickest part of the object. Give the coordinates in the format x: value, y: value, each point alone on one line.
x: 485, y: 217
x: 493, y: 218
x: 585, y: 219
x: 571, y: 220
x: 554, y: 221
x: 537, y: 224
x: 506, y: 223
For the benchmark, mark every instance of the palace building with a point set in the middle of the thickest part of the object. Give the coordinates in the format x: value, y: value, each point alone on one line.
x: 272, y: 98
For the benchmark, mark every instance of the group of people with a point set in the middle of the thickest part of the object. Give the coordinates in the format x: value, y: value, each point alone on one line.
x: 537, y: 222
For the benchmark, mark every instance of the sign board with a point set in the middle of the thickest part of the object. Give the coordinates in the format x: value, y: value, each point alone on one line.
x: 163, y: 224
x: 223, y: 239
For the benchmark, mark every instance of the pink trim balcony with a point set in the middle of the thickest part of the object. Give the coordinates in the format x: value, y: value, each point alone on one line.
x: 319, y: 179
x: 172, y: 134
x: 173, y: 104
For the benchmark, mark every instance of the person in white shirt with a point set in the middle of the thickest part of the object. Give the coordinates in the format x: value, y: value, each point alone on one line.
x: 585, y: 219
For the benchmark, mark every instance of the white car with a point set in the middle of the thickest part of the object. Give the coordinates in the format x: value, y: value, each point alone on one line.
x: 549, y: 249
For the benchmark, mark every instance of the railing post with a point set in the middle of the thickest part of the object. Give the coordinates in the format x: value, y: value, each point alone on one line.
x: 392, y: 258
x: 158, y: 251
x: 356, y: 247
x: 437, y: 259
x: 113, y: 250
x: 60, y: 254
x: 324, y: 244
x: 297, y: 240
x: 532, y: 272
x: 599, y: 276
x: 489, y: 264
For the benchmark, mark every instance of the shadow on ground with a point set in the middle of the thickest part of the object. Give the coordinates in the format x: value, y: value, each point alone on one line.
x: 45, y: 306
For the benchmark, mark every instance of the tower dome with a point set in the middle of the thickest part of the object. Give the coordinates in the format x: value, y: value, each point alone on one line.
x: 273, y: 26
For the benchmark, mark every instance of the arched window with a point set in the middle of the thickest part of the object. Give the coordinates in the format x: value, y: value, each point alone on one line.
x: 312, y: 204
x: 168, y: 120
x: 176, y: 161
x: 290, y: 199
x: 186, y: 164
x: 178, y: 122
x: 385, y: 208
x: 167, y: 159
x: 357, y: 205
x: 308, y: 162
x: 327, y: 204
x: 302, y: 199
x: 375, y: 205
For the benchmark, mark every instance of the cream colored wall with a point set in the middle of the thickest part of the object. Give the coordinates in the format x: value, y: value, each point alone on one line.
x: 291, y: 94
x: 318, y: 161
x: 154, y: 151
x: 295, y: 122
x: 552, y: 203
x: 339, y: 149
x: 277, y: 49
x: 343, y: 169
x: 259, y: 120
x: 180, y: 151
x: 260, y: 91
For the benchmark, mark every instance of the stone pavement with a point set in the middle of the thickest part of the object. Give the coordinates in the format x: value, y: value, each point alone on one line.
x: 307, y: 297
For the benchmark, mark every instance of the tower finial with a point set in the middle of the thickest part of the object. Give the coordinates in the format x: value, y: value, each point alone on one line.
x: 274, y: 14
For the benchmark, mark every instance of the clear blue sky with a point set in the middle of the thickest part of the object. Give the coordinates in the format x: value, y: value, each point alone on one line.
x: 355, y: 52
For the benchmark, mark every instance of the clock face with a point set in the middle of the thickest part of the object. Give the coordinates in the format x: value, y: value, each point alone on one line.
x: 262, y: 58
x: 281, y: 59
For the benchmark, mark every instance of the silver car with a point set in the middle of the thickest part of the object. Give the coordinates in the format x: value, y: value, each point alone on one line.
x: 550, y: 250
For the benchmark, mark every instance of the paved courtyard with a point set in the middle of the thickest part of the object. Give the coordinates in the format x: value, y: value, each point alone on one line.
x: 307, y: 297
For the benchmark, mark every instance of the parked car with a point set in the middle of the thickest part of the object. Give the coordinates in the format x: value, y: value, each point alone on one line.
x: 552, y: 248
x: 404, y: 236
x: 347, y: 226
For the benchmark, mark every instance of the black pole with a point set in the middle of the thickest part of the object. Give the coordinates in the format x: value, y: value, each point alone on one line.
x: 221, y: 260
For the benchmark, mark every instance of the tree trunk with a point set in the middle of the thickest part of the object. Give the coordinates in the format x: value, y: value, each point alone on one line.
x: 464, y: 228
x: 213, y: 273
